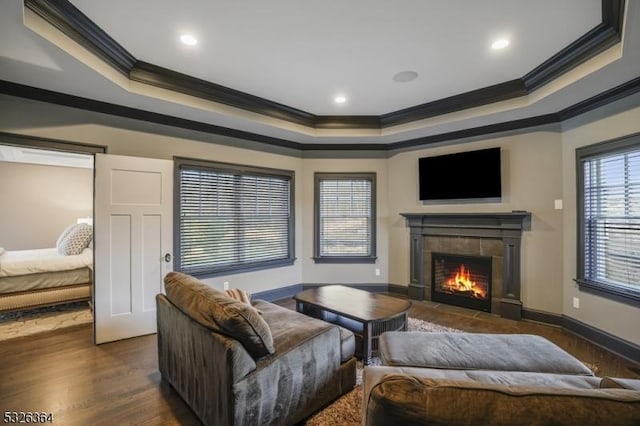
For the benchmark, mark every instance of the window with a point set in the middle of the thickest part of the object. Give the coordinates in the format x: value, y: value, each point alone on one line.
x: 232, y: 218
x: 609, y: 219
x: 345, y: 217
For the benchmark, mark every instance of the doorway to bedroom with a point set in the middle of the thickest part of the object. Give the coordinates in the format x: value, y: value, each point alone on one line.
x: 46, y: 232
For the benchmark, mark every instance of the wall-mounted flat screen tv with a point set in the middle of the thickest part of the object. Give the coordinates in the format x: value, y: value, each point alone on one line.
x: 471, y: 175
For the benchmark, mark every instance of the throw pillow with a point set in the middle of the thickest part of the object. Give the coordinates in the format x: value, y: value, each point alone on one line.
x: 217, y: 311
x: 76, y: 240
x: 240, y: 295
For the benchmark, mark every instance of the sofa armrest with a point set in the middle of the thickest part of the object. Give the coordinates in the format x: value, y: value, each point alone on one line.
x: 307, y: 376
x: 620, y: 383
x: 187, y: 354
x: 431, y: 396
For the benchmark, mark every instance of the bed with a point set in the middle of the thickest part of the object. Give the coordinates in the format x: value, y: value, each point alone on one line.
x: 42, y: 277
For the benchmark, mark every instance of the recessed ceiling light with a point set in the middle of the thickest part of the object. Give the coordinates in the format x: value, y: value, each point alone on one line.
x: 188, y: 39
x: 405, y: 76
x: 500, y: 44
x: 340, y: 99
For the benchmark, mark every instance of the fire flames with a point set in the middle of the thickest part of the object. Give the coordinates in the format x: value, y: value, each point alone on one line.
x: 462, y: 283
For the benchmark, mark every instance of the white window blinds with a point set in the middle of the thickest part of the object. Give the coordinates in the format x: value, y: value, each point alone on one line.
x: 345, y: 216
x: 233, y: 219
x: 612, y: 219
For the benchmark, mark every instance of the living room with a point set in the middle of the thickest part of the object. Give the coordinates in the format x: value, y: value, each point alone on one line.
x: 539, y: 176
x: 539, y: 168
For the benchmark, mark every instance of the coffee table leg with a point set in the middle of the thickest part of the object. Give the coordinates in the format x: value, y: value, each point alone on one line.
x: 366, y: 343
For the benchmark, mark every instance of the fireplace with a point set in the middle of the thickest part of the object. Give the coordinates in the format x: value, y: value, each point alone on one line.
x: 496, y: 236
x: 461, y: 280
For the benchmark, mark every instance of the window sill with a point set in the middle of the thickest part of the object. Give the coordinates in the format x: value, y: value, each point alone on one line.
x: 618, y: 294
x: 345, y: 259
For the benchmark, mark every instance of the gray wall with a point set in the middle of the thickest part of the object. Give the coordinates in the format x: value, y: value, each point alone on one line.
x: 537, y: 169
x: 347, y: 273
x: 532, y: 180
x: 39, y: 202
x: 38, y: 119
x: 619, y: 319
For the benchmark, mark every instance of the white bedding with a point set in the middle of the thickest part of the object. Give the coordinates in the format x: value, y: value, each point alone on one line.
x: 23, y: 262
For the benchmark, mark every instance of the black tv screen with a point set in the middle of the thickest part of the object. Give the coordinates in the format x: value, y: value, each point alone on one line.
x: 465, y: 175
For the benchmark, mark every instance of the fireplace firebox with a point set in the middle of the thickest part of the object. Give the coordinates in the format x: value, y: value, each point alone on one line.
x: 461, y: 280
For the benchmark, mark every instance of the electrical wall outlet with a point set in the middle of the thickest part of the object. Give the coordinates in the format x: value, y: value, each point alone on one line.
x: 576, y: 302
x: 225, y: 285
x: 557, y: 204
x: 377, y: 272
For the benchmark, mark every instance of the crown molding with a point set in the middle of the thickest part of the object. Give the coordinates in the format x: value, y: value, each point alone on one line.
x: 475, y: 98
x: 72, y: 22
x: 67, y: 18
x: 63, y: 99
x: 608, y: 96
x: 164, y: 78
x: 18, y: 90
x: 50, y: 144
x: 600, y: 38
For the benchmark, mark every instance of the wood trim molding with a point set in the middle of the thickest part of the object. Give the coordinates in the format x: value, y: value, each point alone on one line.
x: 67, y: 18
x: 290, y: 291
x: 63, y: 99
x: 72, y: 22
x: 619, y: 92
x: 624, y: 348
x: 489, y: 129
x: 600, y: 38
x: 542, y: 317
x: 154, y: 75
x: 475, y: 98
x: 607, y: 341
x: 51, y: 144
x: 28, y: 92
x: 278, y: 293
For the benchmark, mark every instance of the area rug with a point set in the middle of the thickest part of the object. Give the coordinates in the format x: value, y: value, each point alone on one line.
x: 34, y: 321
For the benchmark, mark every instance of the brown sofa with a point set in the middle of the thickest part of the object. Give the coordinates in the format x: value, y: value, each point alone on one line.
x: 237, y: 364
x: 482, y: 379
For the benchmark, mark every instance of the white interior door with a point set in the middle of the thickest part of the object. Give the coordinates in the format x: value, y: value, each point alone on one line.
x: 133, y: 234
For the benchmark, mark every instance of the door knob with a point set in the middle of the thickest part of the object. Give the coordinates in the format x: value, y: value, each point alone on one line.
x: 167, y: 257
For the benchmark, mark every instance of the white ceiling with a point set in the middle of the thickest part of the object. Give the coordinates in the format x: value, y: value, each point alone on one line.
x: 302, y: 54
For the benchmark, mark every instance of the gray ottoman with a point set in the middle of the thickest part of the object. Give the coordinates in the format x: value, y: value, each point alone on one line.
x: 475, y: 351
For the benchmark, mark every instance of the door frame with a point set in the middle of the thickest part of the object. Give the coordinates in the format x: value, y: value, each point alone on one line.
x: 37, y: 142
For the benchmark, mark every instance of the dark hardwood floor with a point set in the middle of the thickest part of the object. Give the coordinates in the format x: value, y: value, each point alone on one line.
x: 63, y: 373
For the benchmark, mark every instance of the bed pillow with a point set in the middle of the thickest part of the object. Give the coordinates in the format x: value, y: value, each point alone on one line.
x: 63, y: 235
x: 76, y: 240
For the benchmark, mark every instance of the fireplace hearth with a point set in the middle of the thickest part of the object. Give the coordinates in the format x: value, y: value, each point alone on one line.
x: 461, y: 280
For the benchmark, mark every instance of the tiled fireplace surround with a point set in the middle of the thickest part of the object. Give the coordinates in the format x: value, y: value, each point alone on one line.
x: 497, y: 235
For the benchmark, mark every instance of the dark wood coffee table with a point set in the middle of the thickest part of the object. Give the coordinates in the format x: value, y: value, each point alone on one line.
x: 367, y: 315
